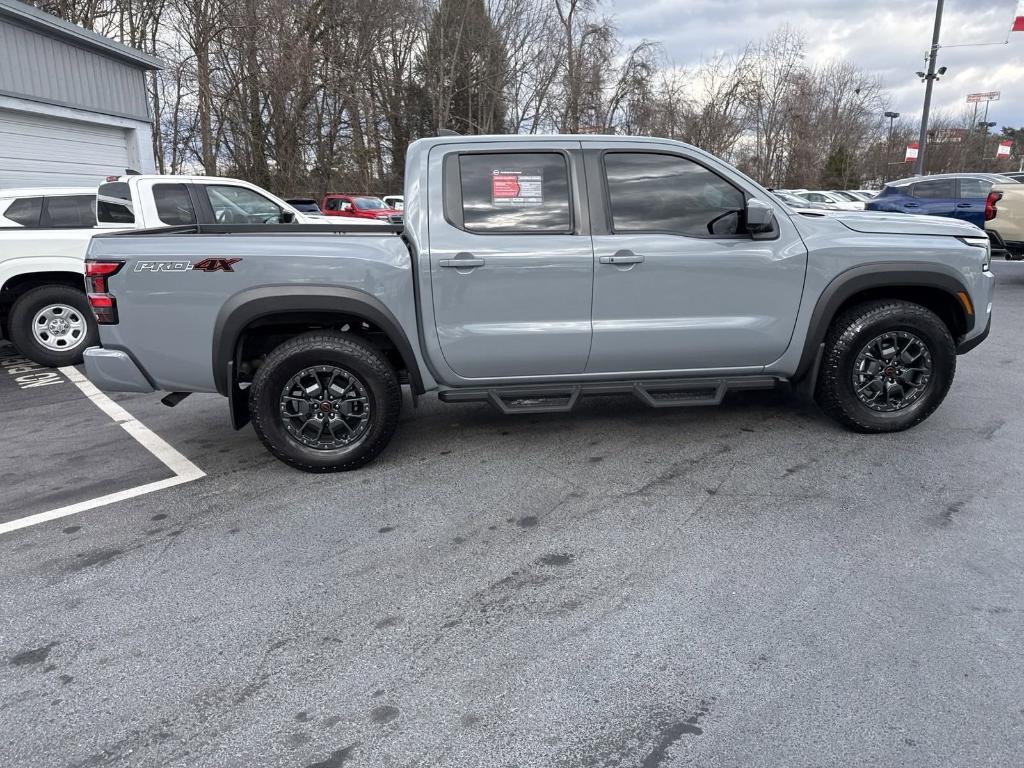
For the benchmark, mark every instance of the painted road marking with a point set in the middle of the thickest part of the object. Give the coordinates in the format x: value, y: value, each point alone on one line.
x: 27, y: 374
x: 184, y: 470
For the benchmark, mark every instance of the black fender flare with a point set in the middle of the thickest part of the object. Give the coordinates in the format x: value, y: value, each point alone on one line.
x: 906, y: 274
x: 256, y: 303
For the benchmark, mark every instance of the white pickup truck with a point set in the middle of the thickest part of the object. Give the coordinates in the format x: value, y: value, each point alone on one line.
x: 44, y: 234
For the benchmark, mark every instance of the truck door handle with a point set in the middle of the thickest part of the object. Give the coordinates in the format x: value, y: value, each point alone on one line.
x: 965, y: 205
x: 622, y: 257
x: 462, y: 261
x: 911, y: 205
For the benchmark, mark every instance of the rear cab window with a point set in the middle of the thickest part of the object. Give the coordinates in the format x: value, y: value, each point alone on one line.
x: 661, y: 193
x: 25, y: 211
x: 114, y: 204
x: 510, y: 193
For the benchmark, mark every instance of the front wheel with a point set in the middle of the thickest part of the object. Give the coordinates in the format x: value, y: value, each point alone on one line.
x: 888, y: 365
x: 325, y: 402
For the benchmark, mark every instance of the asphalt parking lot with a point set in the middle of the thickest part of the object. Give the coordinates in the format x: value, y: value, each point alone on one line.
x: 741, y: 586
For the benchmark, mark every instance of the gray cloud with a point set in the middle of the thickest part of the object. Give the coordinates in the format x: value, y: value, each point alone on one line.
x: 886, y: 38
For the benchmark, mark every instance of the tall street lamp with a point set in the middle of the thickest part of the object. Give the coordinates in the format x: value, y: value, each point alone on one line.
x: 888, y: 151
x: 929, y: 78
x: 985, y: 127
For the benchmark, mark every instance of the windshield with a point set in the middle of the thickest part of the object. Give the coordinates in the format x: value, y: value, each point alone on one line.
x: 848, y: 196
x: 369, y: 203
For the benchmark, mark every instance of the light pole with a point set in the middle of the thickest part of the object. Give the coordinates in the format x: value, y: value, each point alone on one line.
x: 929, y: 78
x: 888, y: 147
x: 985, y: 126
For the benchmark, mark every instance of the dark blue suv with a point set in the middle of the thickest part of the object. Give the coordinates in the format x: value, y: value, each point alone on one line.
x: 957, y: 195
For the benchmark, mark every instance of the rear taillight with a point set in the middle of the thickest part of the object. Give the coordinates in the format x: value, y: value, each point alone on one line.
x: 104, y: 306
x: 990, y: 205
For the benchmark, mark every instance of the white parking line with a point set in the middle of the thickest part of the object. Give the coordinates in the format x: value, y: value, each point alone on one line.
x: 184, y: 470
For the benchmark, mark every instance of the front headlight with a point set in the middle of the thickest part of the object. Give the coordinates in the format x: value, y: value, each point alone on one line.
x: 980, y: 242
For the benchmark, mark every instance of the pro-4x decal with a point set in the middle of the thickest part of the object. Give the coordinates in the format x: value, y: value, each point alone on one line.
x: 206, y: 265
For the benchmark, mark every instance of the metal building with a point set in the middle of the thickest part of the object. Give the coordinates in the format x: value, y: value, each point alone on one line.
x: 73, y: 103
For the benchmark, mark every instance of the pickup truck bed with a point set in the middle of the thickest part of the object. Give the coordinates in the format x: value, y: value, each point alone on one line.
x: 519, y: 281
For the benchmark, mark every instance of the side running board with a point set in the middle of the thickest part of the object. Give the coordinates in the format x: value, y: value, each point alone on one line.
x: 561, y: 398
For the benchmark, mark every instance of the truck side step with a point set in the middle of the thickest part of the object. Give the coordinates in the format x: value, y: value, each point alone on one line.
x: 562, y: 398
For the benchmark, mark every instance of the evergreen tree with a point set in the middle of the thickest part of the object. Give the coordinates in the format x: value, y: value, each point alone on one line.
x: 464, y: 69
x: 840, y: 171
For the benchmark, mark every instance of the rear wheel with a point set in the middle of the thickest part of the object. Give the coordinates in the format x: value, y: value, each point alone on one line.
x: 325, y: 402
x: 53, y: 325
x: 888, y: 365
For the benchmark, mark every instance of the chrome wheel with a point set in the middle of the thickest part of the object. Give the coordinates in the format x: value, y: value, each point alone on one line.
x: 59, y: 327
x: 892, y: 371
x: 325, y: 407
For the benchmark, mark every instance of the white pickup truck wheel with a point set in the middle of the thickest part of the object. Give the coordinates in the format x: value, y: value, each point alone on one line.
x: 53, y: 325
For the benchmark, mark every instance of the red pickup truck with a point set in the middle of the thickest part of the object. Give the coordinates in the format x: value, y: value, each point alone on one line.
x: 360, y: 207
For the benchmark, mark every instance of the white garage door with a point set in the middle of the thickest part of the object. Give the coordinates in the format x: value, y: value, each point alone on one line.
x: 44, y: 151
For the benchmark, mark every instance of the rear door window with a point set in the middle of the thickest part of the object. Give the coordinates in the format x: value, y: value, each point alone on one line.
x: 935, y: 189
x: 975, y: 188
x: 25, y: 211
x: 515, y: 192
x: 173, y: 204
x: 76, y: 211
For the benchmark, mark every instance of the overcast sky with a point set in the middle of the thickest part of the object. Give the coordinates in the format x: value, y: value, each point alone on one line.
x: 887, y: 37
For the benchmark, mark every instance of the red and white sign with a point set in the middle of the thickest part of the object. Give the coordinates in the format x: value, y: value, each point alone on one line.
x: 516, y: 187
x: 912, y: 150
x: 1018, y: 22
x: 1005, y: 149
x: 975, y: 98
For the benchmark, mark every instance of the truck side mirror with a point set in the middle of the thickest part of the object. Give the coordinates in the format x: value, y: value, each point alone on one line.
x: 760, y: 220
x: 287, y: 217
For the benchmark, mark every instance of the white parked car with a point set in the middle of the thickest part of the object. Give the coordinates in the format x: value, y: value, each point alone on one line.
x: 842, y: 203
x: 394, y: 201
x: 44, y: 234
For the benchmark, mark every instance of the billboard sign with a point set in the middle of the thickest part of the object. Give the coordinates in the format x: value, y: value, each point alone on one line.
x: 974, y: 98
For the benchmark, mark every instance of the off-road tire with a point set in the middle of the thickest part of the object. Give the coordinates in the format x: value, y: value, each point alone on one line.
x: 318, y: 348
x: 848, y: 335
x: 30, y: 303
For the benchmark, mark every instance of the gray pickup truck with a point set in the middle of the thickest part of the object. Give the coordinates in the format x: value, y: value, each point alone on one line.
x: 532, y: 271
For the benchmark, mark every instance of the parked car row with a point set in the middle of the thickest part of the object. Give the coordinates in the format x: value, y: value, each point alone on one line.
x: 993, y: 202
x: 832, y: 200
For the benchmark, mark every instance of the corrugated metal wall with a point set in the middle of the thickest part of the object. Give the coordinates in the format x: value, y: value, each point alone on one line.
x: 35, y: 66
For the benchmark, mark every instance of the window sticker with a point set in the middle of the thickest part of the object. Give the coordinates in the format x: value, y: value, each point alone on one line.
x: 517, y: 187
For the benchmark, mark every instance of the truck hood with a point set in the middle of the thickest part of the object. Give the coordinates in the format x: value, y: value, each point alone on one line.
x: 877, y: 223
